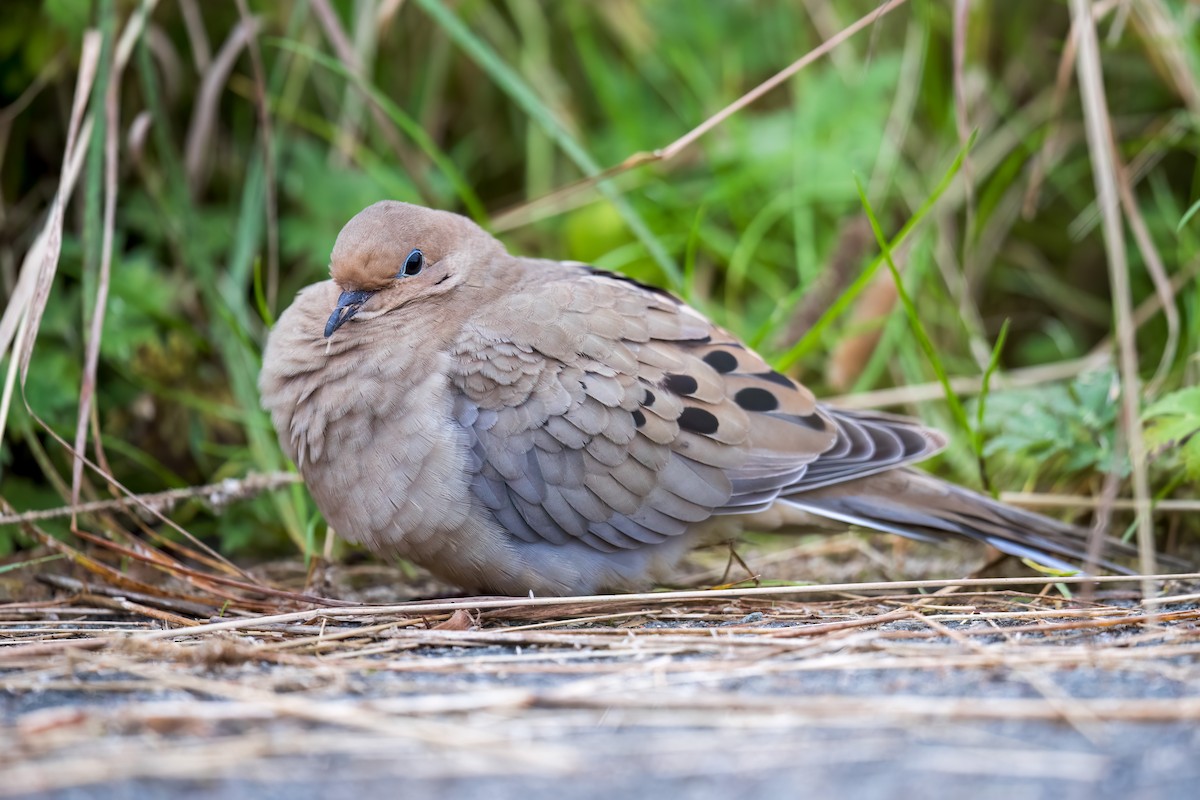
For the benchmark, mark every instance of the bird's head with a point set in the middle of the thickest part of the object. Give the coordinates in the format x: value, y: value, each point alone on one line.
x: 392, y: 254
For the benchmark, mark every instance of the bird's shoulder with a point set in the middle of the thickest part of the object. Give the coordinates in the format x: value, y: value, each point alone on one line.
x: 557, y: 316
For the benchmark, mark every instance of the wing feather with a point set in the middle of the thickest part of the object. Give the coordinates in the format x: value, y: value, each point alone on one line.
x: 614, y: 415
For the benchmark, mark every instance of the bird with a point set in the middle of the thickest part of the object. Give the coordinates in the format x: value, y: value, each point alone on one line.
x: 529, y: 426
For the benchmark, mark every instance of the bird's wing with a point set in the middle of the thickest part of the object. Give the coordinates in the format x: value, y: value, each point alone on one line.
x: 607, y: 412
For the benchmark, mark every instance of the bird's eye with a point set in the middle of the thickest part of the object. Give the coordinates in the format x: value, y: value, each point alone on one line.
x: 413, y: 264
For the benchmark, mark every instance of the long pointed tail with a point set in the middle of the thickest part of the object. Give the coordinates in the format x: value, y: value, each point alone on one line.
x: 917, y: 505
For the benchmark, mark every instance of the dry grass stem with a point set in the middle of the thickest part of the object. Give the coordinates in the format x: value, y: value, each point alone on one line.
x: 557, y: 200
x: 1105, y: 173
x: 392, y: 682
x: 215, y: 494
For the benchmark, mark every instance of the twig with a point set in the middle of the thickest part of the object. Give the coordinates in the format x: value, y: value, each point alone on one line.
x: 215, y: 494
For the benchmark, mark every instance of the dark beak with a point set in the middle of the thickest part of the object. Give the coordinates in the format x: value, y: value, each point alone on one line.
x: 348, y: 305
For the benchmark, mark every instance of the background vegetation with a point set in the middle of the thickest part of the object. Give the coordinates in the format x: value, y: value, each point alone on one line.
x: 247, y: 133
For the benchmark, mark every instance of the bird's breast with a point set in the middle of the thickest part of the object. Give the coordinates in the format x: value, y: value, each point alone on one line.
x: 366, y: 416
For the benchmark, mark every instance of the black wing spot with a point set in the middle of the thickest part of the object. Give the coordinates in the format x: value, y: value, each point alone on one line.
x: 698, y: 420
x: 639, y: 419
x: 649, y: 399
x: 722, y: 361
x: 776, y: 377
x: 755, y: 399
x: 680, y: 384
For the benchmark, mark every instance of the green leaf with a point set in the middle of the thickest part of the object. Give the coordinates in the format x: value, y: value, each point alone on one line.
x: 1174, y: 425
x: 1065, y: 427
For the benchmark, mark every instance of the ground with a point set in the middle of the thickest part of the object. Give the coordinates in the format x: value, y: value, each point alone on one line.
x: 988, y: 690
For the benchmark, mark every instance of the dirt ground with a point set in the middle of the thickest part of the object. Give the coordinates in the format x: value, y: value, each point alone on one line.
x: 988, y: 691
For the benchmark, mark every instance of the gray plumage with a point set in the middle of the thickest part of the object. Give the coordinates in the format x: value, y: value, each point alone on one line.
x: 519, y: 425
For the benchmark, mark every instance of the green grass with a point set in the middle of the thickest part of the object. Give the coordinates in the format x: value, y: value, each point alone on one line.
x: 483, y: 107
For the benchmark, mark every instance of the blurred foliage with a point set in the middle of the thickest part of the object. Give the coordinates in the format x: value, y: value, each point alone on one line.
x: 1175, y: 430
x: 524, y: 97
x: 1065, y: 429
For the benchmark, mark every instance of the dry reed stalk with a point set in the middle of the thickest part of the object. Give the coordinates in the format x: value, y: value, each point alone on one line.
x: 1105, y: 172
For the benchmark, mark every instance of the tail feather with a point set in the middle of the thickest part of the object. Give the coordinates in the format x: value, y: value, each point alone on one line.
x: 919, y: 506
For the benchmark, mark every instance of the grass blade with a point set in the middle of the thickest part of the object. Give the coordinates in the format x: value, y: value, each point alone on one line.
x: 956, y: 407
x: 813, y: 337
x: 515, y: 87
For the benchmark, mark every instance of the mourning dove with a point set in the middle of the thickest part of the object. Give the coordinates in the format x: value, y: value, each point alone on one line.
x: 521, y: 425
